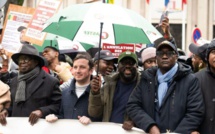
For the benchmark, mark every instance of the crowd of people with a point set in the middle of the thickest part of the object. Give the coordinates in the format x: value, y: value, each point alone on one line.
x: 167, y: 95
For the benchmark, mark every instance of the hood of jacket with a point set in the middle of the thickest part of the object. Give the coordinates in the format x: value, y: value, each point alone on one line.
x: 211, y: 47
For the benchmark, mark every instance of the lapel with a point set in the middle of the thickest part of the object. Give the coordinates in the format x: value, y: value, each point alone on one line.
x: 35, y: 84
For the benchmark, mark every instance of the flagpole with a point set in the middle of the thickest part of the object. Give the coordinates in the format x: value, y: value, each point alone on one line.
x: 183, y: 26
x: 100, y: 38
x: 150, y: 16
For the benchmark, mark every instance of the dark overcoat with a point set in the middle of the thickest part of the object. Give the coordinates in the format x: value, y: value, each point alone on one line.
x: 182, y: 109
x: 42, y: 93
x: 206, y: 80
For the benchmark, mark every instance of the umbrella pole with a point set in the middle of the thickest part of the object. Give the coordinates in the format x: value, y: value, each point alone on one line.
x: 100, y: 38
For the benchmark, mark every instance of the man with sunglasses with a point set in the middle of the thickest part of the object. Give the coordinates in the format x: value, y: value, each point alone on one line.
x: 109, y: 102
x: 168, y: 97
x: 34, y: 93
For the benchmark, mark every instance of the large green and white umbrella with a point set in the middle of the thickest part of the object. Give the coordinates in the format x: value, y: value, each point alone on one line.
x: 64, y: 45
x: 81, y: 22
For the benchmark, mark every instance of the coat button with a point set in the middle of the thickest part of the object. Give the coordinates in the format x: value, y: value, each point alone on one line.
x: 211, y: 119
x: 213, y: 99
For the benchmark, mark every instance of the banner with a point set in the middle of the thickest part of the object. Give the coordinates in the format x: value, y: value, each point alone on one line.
x: 16, y: 16
x: 116, y: 50
x: 65, y: 126
x: 45, y: 10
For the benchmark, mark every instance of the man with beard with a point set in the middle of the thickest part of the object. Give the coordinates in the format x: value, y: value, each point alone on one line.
x: 168, y: 97
x: 109, y: 102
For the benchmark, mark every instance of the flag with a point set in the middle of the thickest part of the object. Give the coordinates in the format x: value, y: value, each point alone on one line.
x: 110, y: 1
x: 12, y: 17
x: 166, y: 2
x: 183, y: 2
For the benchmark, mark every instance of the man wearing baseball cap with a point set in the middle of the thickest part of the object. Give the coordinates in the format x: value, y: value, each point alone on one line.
x: 199, y: 56
x: 104, y: 64
x: 109, y: 102
x: 168, y: 97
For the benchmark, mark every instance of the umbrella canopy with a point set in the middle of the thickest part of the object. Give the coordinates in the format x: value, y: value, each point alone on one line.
x: 81, y: 22
x: 64, y: 45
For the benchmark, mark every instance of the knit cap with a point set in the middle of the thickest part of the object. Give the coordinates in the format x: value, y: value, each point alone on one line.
x: 148, y: 53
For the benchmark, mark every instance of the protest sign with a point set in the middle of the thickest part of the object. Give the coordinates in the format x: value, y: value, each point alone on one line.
x: 16, y: 16
x: 117, y: 49
x: 45, y: 10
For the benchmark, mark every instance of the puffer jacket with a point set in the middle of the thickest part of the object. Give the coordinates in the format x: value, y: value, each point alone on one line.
x: 182, y: 110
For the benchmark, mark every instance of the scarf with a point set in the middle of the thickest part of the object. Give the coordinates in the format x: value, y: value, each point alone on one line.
x: 163, y: 80
x: 22, y: 78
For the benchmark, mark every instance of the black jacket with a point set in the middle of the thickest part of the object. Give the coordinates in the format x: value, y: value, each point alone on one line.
x: 182, y: 109
x: 42, y: 93
x: 207, y: 79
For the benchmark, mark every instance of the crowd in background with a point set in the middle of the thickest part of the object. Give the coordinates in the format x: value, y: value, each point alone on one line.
x: 162, y: 91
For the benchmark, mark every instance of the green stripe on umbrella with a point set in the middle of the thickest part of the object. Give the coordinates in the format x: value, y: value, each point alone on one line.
x: 81, y: 22
x: 64, y: 28
x: 54, y: 41
x: 126, y: 34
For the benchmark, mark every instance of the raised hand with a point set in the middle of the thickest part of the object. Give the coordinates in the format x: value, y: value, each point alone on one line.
x: 95, y: 84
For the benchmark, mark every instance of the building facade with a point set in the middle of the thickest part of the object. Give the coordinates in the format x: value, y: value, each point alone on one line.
x: 200, y: 13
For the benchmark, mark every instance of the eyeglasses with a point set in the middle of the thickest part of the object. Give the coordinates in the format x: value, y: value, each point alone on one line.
x: 24, y: 59
x: 168, y: 53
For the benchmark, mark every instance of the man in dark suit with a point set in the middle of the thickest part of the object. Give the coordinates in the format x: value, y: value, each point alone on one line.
x: 34, y: 93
